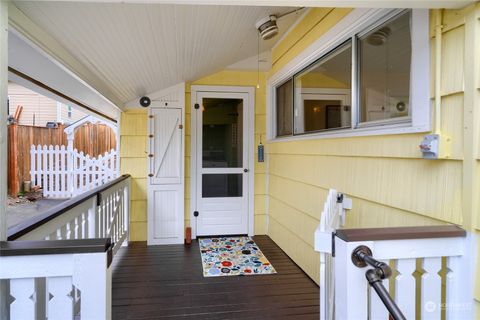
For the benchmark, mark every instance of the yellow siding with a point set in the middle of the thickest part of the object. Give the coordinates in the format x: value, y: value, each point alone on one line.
x: 133, y: 160
x: 389, y: 183
x: 314, y: 25
x: 134, y: 152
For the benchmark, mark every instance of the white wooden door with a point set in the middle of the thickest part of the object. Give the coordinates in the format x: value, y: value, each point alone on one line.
x: 222, y: 163
x: 166, y: 217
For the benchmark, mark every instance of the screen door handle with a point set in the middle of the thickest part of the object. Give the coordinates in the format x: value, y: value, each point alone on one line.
x: 245, y: 170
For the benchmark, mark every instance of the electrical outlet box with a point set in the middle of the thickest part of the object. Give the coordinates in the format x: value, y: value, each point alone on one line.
x: 435, y: 146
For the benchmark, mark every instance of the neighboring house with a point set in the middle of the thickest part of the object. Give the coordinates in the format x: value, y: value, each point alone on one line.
x: 378, y: 104
x: 38, y: 109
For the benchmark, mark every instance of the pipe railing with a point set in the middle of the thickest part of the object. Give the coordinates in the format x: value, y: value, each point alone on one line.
x: 361, y: 257
x: 419, y: 262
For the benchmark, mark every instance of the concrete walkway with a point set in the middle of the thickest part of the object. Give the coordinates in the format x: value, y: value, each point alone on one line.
x: 24, y: 211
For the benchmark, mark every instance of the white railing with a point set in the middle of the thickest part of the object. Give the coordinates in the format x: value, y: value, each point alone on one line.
x: 65, y: 173
x: 423, y: 259
x: 100, y: 213
x: 56, y: 286
x: 331, y: 218
x: 69, y: 284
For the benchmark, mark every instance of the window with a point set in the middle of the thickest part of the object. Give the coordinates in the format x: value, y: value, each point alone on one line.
x: 375, y: 78
x: 284, y: 99
x: 322, y: 93
x: 384, y: 56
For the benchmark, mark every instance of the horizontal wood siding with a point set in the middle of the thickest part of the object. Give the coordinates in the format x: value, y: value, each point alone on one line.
x: 134, y: 161
x: 38, y: 109
x: 388, y: 181
x: 134, y: 151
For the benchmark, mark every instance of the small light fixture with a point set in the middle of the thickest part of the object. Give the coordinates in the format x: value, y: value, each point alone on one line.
x: 267, y: 27
x: 379, y: 37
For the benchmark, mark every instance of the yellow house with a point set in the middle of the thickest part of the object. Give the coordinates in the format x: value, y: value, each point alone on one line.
x: 352, y: 135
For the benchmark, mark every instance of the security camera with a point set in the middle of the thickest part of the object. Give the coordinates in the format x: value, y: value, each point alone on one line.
x: 145, y: 101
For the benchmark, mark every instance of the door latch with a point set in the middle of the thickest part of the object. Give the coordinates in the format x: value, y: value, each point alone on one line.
x: 195, y: 213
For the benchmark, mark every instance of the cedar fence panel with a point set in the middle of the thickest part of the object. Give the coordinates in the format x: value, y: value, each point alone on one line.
x: 91, y: 139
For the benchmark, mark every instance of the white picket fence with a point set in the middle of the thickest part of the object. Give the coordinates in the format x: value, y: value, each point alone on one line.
x: 65, y: 173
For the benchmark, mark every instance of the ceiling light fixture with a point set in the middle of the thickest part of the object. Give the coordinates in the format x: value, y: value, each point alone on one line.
x: 267, y: 26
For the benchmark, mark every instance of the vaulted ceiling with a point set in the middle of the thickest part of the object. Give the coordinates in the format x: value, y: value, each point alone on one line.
x: 137, y: 49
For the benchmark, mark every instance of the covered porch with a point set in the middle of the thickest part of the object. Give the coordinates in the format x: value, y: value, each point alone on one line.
x: 346, y: 147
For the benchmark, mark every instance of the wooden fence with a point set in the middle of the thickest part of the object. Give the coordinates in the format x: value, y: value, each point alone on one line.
x: 91, y: 139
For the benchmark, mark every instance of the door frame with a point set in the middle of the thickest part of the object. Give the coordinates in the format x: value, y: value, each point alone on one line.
x: 250, y: 91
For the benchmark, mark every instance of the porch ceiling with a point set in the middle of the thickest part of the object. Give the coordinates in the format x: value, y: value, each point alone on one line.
x: 137, y: 49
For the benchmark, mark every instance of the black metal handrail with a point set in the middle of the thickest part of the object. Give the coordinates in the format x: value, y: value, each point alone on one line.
x: 21, y: 229
x: 361, y: 257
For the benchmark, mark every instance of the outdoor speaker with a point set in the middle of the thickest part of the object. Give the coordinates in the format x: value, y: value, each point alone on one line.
x: 145, y: 101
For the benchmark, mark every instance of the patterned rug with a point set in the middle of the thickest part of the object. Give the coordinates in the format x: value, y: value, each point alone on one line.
x: 233, y: 256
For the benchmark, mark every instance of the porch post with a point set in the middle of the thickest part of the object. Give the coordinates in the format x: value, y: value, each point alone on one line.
x: 3, y: 139
x: 3, y: 117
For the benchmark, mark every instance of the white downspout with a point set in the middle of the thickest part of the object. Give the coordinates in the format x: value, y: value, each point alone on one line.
x: 438, y: 70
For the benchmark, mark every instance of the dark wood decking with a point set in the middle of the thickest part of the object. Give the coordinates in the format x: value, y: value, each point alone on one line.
x: 160, y: 282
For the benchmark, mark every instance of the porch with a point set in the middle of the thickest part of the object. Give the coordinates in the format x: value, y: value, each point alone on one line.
x: 157, y: 282
x: 361, y: 191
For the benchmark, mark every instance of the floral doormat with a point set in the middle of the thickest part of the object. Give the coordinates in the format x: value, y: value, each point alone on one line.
x: 233, y: 256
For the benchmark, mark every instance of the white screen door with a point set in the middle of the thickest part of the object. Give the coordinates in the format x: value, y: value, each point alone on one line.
x: 222, y: 163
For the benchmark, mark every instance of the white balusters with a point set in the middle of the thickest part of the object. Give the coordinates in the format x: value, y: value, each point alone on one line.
x: 431, y: 296
x: 57, y: 286
x: 23, y: 291
x: 61, y: 303
x: 405, y: 287
x: 418, y: 275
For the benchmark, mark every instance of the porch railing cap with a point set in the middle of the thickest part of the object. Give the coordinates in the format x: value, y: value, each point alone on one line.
x: 400, y: 233
x: 19, y: 230
x: 23, y: 248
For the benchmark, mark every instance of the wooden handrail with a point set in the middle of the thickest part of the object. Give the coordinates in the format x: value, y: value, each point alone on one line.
x: 27, y: 248
x: 21, y: 229
x: 400, y: 233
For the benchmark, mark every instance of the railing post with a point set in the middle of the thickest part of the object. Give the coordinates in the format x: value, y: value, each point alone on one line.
x: 351, y: 287
x: 92, y: 275
x: 126, y: 208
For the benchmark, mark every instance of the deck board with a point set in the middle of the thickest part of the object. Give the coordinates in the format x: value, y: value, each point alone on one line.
x: 166, y: 282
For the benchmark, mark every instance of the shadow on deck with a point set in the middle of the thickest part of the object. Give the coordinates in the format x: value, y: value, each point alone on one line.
x: 160, y: 282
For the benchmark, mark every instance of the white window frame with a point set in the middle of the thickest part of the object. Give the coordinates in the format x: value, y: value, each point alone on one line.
x: 358, y: 22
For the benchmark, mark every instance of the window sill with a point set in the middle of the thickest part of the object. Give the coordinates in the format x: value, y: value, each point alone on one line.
x: 358, y: 132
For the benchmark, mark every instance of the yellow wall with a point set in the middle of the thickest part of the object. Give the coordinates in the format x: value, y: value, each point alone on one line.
x: 389, y: 182
x: 134, y: 152
x: 134, y: 161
